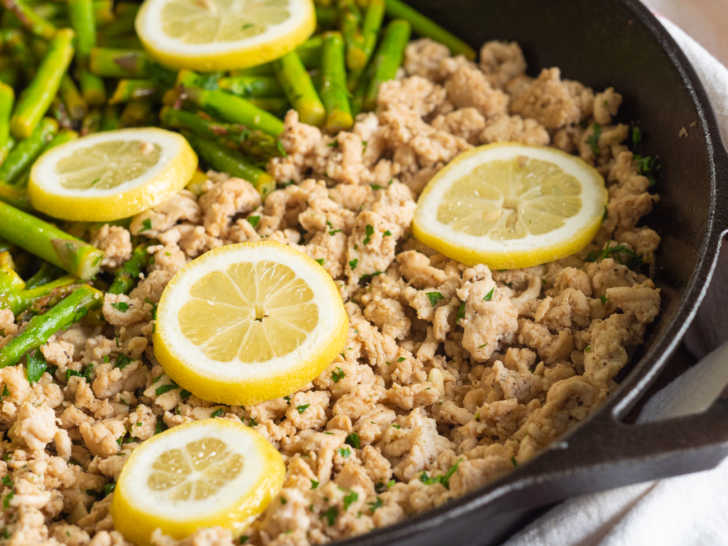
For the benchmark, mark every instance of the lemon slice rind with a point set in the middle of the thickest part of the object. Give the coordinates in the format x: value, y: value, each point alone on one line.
x: 274, y: 42
x: 575, y: 233
x: 174, y: 168
x: 138, y: 510
x: 238, y: 382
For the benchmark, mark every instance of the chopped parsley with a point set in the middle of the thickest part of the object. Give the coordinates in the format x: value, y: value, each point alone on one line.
x: 337, y: 375
x: 217, y: 413
x: 247, y: 26
x: 369, y: 230
x: 376, y: 187
x: 121, y: 306
x: 122, y: 361
x: 587, y: 349
x: 184, y: 394
x: 146, y: 225
x: 593, y: 139
x: 350, y: 499
x: 7, y: 499
x: 514, y: 461
x: 636, y: 137
x: 353, y: 440
x: 461, y: 311
x: 333, y: 144
x: 320, y: 261
x: 444, y: 479
x: 243, y: 539
x: 619, y: 253
x: 368, y: 277
x: 284, y: 500
x: 387, y: 233
x: 603, y: 299
x: 165, y: 388
x: 314, y: 484
x: 373, y: 506
x: 489, y: 295
x: 109, y: 488
x: 35, y: 366
x: 353, y: 263
x: 344, y: 452
x: 254, y: 220
x: 7, y: 481
x: 434, y: 297
x: 252, y: 422
x: 160, y: 426
x: 395, y: 425
x: 331, y: 513
x: 302, y: 408
x: 401, y: 359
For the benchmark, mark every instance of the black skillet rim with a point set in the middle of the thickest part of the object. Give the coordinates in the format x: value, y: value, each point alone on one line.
x: 646, y: 370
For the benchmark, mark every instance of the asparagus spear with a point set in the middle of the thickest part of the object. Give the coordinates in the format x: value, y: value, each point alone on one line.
x: 20, y: 300
x: 110, y: 118
x: 129, y: 90
x: 238, y: 137
x: 37, y: 97
x: 10, y: 281
x: 309, y: 52
x: 103, y: 11
x: 123, y: 22
x: 137, y: 113
x: 49, y: 243
x: 25, y: 152
x: 228, y: 107
x: 45, y: 274
x: 387, y: 59
x: 30, y: 20
x: 278, y: 106
x: 6, y: 147
x: 428, y: 28
x: 7, y: 97
x: 40, y: 328
x: 126, y: 277
x: 120, y: 63
x: 251, y: 86
x: 227, y: 161
x: 81, y: 14
x: 333, y: 84
x: 299, y: 89
x: 14, y: 42
x: 75, y: 104
x: 370, y: 31
x: 326, y: 16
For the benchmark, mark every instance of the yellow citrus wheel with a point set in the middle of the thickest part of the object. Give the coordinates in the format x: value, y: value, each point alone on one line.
x: 111, y: 175
x: 213, y: 35
x: 511, y: 206
x: 250, y: 322
x: 214, y: 472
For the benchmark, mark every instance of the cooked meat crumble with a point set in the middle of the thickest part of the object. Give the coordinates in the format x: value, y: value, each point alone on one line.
x: 451, y: 374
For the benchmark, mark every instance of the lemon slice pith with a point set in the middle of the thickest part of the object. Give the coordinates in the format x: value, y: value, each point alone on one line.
x: 111, y: 175
x: 214, y: 472
x: 250, y: 322
x: 511, y: 206
x: 223, y: 34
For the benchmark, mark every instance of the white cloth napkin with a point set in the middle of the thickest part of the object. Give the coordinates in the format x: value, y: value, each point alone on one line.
x: 689, y: 510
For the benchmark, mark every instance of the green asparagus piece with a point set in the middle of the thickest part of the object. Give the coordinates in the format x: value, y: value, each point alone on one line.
x: 45, y: 274
x: 229, y: 107
x: 81, y: 14
x: 14, y: 43
x: 37, y: 97
x: 75, y: 104
x: 25, y: 152
x: 309, y: 52
x: 387, y: 59
x: 137, y: 113
x: 334, y: 92
x: 278, y: 106
x: 251, y: 86
x: 123, y: 22
x: 30, y: 20
x: 49, y: 243
x: 299, y: 89
x: 103, y: 11
x: 5, y: 148
x: 14, y: 195
x: 91, y: 122
x: 129, y: 90
x: 370, y: 32
x: 353, y: 38
x: 110, y: 118
x: 120, y: 63
x: 125, y: 41
x: 7, y: 98
x: 326, y: 16
x: 19, y: 301
x: 428, y: 28
x: 126, y: 277
x: 234, y: 136
x: 40, y: 328
x: 234, y: 164
x: 10, y: 281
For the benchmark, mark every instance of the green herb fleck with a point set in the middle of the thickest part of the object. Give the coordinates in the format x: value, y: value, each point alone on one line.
x: 146, y: 225
x: 122, y: 361
x: 7, y: 499
x: 217, y: 413
x: 587, y: 349
x: 302, y: 407
x: 387, y: 233
x: 461, y: 311
x: 337, y: 375
x: 353, y: 263
x: 165, y: 388
x: 35, y: 366
x: 434, y: 297
x: 593, y: 139
x: 284, y: 500
x: 254, y: 220
x: 331, y: 514
x: 373, y: 506
x: 344, y: 452
x: 489, y: 295
x: 121, y: 306
x: 320, y: 261
x: 603, y: 299
x: 314, y: 484
x: 514, y: 461
x: 7, y: 481
x: 369, y: 230
x: 350, y: 499
x: 353, y: 440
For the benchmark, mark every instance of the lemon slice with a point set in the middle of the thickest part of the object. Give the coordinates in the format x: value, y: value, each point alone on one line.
x: 511, y: 206
x: 111, y: 175
x: 214, y: 472
x: 250, y: 322
x: 212, y: 35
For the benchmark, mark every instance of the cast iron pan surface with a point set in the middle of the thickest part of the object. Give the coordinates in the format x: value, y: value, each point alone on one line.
x: 606, y: 43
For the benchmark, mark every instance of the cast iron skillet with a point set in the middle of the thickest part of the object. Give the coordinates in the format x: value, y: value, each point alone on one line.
x: 603, y: 43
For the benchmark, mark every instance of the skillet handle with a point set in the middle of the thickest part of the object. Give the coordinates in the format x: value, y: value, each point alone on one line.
x: 607, y: 453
